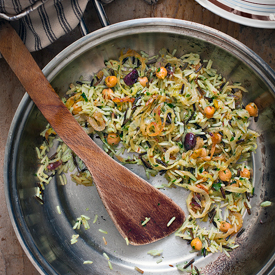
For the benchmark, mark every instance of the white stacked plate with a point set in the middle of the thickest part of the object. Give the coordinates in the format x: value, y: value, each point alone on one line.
x: 253, y: 13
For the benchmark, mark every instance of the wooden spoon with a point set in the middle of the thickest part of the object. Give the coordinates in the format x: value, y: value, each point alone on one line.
x: 127, y: 198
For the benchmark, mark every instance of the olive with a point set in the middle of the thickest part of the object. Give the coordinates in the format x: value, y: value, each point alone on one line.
x: 189, y: 141
x: 131, y: 78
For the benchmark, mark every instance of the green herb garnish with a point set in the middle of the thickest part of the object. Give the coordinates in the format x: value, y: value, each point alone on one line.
x: 84, y: 96
x: 217, y: 186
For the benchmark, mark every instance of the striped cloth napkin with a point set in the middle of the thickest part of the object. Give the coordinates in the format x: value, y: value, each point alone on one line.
x: 48, y: 22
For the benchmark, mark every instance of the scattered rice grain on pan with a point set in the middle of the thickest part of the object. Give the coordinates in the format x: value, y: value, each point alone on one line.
x: 171, y: 221
x: 58, y: 209
x: 104, y: 240
x: 74, y: 238
x: 106, y: 256
x: 95, y: 218
x: 87, y: 262
x: 155, y: 252
x: 110, y: 265
x: 266, y: 203
x: 102, y: 231
x: 146, y: 220
x: 139, y: 270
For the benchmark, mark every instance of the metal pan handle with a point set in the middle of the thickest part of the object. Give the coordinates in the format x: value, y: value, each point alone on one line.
x: 101, y: 15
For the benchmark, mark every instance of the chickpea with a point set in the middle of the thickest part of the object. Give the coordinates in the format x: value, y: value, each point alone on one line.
x: 76, y: 109
x: 199, y: 153
x: 199, y: 177
x: 113, y: 139
x: 196, y: 244
x: 108, y: 94
x: 245, y: 173
x: 203, y: 152
x: 161, y: 73
x: 216, y: 138
x: 225, y: 226
x: 143, y: 81
x: 225, y: 175
x: 252, y: 109
x: 209, y: 111
x: 111, y: 81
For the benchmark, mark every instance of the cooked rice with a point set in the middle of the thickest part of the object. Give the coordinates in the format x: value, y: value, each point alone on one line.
x: 152, y: 123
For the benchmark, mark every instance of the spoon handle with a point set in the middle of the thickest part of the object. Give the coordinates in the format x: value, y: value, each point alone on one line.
x: 127, y: 198
x: 41, y: 92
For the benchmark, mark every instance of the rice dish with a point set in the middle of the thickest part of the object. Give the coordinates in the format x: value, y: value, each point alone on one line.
x: 175, y: 116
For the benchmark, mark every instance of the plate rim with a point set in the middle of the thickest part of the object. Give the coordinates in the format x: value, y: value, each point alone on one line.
x: 209, y: 5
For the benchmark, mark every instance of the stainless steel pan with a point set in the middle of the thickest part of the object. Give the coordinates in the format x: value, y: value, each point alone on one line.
x: 45, y: 235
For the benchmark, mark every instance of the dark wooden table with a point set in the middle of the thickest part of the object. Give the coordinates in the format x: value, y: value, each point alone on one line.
x: 13, y: 259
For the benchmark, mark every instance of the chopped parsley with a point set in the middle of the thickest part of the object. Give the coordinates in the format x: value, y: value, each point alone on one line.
x: 84, y: 96
x: 217, y: 186
x: 170, y: 105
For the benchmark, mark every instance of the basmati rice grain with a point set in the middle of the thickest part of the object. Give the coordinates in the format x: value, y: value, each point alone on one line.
x: 106, y: 256
x: 266, y: 203
x: 87, y: 262
x: 127, y: 241
x: 103, y: 231
x: 95, y: 219
x: 145, y: 221
x: 58, y: 209
x: 170, y: 222
x: 110, y: 265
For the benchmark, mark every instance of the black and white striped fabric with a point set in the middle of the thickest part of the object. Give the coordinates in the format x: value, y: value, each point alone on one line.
x: 47, y: 23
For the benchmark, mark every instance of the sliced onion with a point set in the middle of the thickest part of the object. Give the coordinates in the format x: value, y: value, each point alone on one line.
x: 207, y: 202
x: 49, y: 132
x: 172, y: 126
x: 136, y: 55
x: 235, y: 189
x: 72, y: 100
x: 172, y: 150
x: 97, y: 121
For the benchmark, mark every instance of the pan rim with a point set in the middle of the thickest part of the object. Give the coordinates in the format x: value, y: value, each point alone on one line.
x: 50, y: 70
